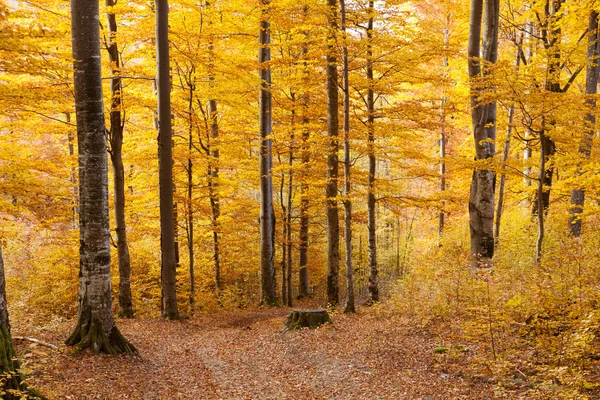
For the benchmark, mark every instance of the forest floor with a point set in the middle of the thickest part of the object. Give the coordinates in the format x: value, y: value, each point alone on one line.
x: 244, y: 355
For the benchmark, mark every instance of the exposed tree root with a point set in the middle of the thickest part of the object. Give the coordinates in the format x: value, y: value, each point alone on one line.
x: 92, y: 336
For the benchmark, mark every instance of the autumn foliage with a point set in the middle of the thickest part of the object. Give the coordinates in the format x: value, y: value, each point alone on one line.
x: 533, y: 312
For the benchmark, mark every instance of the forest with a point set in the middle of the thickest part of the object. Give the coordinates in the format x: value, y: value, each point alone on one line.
x: 187, y: 186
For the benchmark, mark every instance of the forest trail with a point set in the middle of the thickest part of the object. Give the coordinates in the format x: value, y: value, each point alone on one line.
x: 243, y: 355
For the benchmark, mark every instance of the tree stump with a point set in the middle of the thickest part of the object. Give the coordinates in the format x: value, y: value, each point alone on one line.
x: 306, y: 319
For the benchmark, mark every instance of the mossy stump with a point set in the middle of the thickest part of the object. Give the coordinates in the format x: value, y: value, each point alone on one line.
x: 306, y: 319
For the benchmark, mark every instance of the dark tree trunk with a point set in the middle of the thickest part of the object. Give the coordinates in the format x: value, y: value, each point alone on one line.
x: 552, y: 35
x: 213, y: 188
x: 585, y: 146
x: 96, y: 327
x: 190, y: 191
x: 333, y: 229
x: 483, y: 116
x: 115, y: 139
x: 372, y: 223
x: 350, y: 308
x: 165, y: 164
x: 9, y: 365
x: 267, y: 217
x: 505, y: 153
x: 304, y: 202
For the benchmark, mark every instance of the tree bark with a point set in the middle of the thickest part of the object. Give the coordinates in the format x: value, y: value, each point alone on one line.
x: 585, y: 146
x: 96, y: 327
x: 165, y: 164
x: 267, y: 217
x: 115, y: 139
x: 304, y: 201
x: 505, y: 153
x: 333, y: 229
x: 483, y: 116
x: 372, y: 222
x: 350, y: 307
x: 552, y: 36
x: 9, y: 365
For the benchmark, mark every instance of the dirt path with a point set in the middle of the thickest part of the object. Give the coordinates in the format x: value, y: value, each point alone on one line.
x: 244, y: 356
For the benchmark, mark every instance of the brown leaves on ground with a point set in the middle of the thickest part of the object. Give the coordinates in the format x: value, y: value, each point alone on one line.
x: 243, y: 355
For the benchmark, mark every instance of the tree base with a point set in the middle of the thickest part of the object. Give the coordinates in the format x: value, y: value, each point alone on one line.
x: 12, y: 386
x: 92, y: 336
x: 306, y: 319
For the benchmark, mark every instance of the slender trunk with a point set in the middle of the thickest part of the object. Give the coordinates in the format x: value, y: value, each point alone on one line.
x: 527, y: 153
x: 267, y: 217
x: 213, y: 188
x: 288, y: 215
x: 165, y: 163
x: 115, y: 138
x: 333, y: 229
x: 506, y: 150
x: 213, y: 167
x: 482, y: 49
x: 540, y: 202
x: 350, y: 308
x: 372, y: 222
x: 552, y: 44
x: 442, y: 139
x: 96, y: 327
x: 585, y: 146
x: 304, y: 202
x: 501, y: 185
x: 190, y: 193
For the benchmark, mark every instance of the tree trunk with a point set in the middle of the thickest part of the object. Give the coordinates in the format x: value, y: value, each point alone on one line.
x: 505, y: 153
x: 333, y: 229
x: 350, y: 308
x: 165, y: 164
x: 442, y: 143
x: 304, y: 202
x: 190, y: 193
x: 267, y: 217
x: 96, y: 327
x: 506, y: 150
x: 115, y: 138
x: 547, y: 146
x: 288, y: 215
x: 9, y: 365
x: 483, y: 116
x: 372, y: 222
x: 585, y: 146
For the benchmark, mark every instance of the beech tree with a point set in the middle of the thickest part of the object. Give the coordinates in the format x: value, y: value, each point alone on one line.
x: 585, y: 145
x: 482, y: 50
x: 115, y: 139
x: 165, y: 163
x: 333, y: 228
x: 8, y: 363
x: 96, y: 327
x: 267, y: 215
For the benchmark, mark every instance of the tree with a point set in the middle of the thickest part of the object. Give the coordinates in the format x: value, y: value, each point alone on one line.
x: 372, y: 222
x: 115, y: 139
x: 333, y: 229
x: 267, y: 215
x: 347, y: 164
x: 8, y: 363
x: 585, y: 146
x: 165, y: 164
x: 305, y: 159
x: 96, y: 327
x: 483, y: 117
